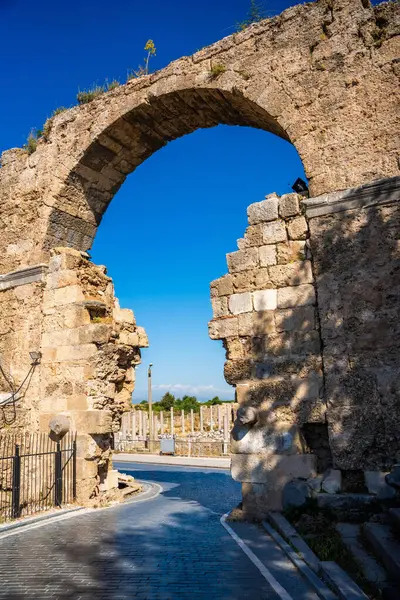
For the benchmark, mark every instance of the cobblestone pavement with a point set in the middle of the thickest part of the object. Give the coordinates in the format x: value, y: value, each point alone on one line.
x: 170, y: 547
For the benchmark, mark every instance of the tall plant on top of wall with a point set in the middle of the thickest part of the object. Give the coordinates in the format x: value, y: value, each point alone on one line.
x: 144, y: 70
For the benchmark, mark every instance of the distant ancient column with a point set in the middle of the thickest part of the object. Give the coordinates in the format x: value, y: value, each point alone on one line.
x: 220, y: 417
x: 211, y: 419
x: 134, y: 425
x: 172, y: 421
x: 183, y: 420
x: 192, y: 420
x: 201, y: 418
x: 162, y: 421
x: 226, y: 434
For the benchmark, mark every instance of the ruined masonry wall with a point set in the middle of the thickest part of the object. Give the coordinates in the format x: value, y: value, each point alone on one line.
x: 20, y: 333
x: 322, y: 75
x: 265, y: 313
x: 357, y: 267
x: 89, y: 350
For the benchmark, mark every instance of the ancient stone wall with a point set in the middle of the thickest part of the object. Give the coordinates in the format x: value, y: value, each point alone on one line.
x: 308, y: 315
x: 265, y: 312
x: 357, y: 268
x: 323, y: 76
x: 90, y: 349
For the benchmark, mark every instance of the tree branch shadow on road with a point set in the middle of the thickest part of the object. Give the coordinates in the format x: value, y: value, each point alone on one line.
x: 156, y: 549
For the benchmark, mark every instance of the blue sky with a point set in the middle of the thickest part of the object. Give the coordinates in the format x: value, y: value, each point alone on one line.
x: 166, y: 233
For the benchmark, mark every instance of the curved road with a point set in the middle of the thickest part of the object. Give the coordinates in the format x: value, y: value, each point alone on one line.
x: 172, y: 546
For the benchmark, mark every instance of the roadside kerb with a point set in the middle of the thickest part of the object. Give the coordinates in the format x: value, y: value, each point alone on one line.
x: 319, y: 587
x: 329, y: 571
x: 184, y: 461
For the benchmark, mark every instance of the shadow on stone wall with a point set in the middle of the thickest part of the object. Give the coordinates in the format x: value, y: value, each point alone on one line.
x: 357, y: 268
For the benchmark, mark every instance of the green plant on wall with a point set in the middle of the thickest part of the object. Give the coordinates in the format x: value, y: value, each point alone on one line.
x: 32, y: 140
x: 144, y: 70
x: 254, y: 15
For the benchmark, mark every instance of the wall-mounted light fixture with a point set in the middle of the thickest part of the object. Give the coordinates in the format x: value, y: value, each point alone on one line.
x: 35, y: 357
x: 300, y: 187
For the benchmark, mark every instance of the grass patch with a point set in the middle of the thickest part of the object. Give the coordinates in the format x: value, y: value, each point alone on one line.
x: 318, y: 528
x: 32, y: 141
x: 112, y: 85
x: 217, y: 70
x: 89, y: 95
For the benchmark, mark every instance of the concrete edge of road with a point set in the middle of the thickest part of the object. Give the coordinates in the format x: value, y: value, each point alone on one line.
x: 179, y: 461
x: 321, y: 589
x: 324, y: 576
x: 151, y: 491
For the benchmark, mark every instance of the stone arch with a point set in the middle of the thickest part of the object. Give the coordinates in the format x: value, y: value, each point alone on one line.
x: 129, y: 140
x: 324, y: 76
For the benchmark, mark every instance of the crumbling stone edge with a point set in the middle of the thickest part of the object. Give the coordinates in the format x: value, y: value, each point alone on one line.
x: 150, y: 491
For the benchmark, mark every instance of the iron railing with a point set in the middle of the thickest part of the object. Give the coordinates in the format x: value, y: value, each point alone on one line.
x: 36, y: 474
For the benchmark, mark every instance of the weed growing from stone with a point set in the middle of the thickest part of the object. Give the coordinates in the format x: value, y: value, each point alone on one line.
x: 31, y: 142
x: 88, y: 95
x: 254, y: 15
x: 143, y: 70
x: 217, y: 70
x: 112, y: 85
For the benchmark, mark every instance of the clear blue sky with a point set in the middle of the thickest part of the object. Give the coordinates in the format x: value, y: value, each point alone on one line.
x: 166, y: 233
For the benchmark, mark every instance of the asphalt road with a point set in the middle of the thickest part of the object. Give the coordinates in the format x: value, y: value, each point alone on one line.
x: 172, y: 546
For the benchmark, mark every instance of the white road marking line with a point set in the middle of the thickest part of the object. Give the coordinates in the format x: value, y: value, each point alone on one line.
x: 276, y: 586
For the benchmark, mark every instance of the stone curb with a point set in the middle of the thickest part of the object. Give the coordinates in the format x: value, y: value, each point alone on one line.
x: 322, y: 591
x: 173, y: 461
x: 152, y: 491
x: 331, y: 573
x: 33, y: 520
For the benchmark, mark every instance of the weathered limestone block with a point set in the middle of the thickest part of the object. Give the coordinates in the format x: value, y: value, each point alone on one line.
x: 274, y: 232
x: 290, y: 251
x: 296, y: 273
x: 256, y: 468
x: 92, y: 421
x: 254, y: 235
x: 143, y: 339
x: 240, y: 303
x: 220, y: 306
x: 123, y: 315
x: 260, y: 212
x: 222, y: 286
x: 62, y: 278
x: 265, y: 300
x: 301, y: 318
x: 242, y: 260
x: 245, y: 281
x: 267, y: 255
x: 219, y: 329
x: 238, y: 370
x: 301, y: 295
x: 298, y: 229
x: 289, y: 205
x: 129, y: 338
x: 86, y: 469
x: 66, y: 295
x: 264, y: 439
x: 109, y: 480
x: 256, y: 324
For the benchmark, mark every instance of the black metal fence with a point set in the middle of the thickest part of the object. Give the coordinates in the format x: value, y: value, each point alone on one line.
x: 36, y: 474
